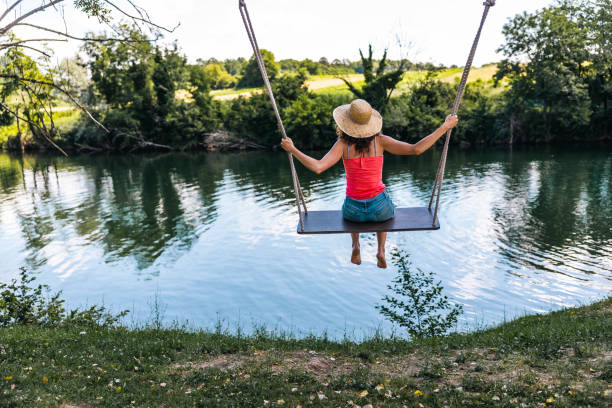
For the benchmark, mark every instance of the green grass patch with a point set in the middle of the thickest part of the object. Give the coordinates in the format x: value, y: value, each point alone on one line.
x: 64, y: 120
x: 559, y: 359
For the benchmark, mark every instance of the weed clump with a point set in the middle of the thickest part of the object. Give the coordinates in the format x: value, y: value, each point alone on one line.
x: 22, y: 303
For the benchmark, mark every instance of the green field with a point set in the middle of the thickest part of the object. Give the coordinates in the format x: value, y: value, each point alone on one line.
x: 333, y: 85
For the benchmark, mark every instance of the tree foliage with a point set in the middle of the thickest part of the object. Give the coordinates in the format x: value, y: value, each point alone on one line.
x: 379, y: 84
x: 251, y: 76
x: 139, y: 86
x: 418, y: 304
x: 558, y: 65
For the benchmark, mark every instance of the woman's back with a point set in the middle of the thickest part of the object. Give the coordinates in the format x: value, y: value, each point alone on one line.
x: 363, y: 171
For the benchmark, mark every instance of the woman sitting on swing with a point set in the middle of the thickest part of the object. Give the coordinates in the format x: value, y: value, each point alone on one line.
x: 361, y: 146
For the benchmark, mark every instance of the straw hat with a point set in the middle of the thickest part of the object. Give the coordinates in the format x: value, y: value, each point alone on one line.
x: 358, y: 119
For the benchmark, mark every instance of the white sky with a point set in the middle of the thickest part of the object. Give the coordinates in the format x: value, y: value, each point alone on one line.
x: 441, y: 31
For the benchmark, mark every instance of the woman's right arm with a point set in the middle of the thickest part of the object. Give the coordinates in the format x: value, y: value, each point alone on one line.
x: 394, y: 146
x: 317, y: 166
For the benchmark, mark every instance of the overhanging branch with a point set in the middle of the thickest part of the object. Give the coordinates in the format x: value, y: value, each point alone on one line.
x: 59, y: 88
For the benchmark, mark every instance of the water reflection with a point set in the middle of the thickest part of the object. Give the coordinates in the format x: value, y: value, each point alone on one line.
x: 519, y: 227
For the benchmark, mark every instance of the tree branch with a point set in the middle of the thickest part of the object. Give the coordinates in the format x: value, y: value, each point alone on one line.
x: 59, y: 88
x: 36, y: 49
x: 28, y: 14
x: 136, y: 18
x: 90, y: 39
x: 8, y: 10
x: 44, y: 131
x: 16, y: 43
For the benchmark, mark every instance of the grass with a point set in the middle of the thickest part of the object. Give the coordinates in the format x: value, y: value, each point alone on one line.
x: 560, y: 359
x: 317, y: 82
x: 64, y: 119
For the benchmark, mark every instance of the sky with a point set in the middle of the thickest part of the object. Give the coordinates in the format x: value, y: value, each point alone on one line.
x: 439, y: 31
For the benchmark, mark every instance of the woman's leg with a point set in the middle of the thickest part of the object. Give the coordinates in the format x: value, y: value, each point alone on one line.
x: 356, y: 255
x: 380, y: 255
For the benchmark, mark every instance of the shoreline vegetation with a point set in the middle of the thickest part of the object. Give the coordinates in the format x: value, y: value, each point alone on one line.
x: 52, y: 357
x: 553, y: 86
x: 558, y: 359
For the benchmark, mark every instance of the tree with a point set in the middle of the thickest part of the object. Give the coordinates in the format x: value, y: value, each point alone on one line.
x: 552, y: 95
x: 219, y: 77
x: 138, y: 84
x: 379, y: 85
x: 421, y: 308
x: 251, y: 76
x: 19, y: 15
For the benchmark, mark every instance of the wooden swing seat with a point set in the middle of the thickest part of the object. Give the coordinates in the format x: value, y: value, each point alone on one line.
x: 332, y: 222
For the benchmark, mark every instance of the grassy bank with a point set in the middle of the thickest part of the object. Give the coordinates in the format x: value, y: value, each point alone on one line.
x: 558, y: 359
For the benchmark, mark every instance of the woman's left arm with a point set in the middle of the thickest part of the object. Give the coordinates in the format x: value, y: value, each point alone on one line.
x: 318, y: 166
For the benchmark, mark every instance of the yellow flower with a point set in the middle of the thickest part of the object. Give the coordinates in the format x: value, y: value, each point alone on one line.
x: 363, y: 393
x: 550, y: 400
x: 46, y: 344
x: 118, y: 388
x: 45, y: 380
x: 418, y: 393
x: 8, y: 377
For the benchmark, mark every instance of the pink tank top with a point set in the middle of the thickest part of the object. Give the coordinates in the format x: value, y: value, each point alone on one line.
x: 363, y: 175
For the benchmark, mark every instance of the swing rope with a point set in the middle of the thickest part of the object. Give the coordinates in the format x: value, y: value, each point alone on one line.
x: 299, y: 196
x: 466, y: 71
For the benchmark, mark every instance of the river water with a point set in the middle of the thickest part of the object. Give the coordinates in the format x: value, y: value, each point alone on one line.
x: 212, y: 237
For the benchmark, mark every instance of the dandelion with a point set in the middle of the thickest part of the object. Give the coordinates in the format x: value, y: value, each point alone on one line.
x: 45, y: 380
x: 550, y: 400
x: 8, y: 378
x: 118, y: 389
x: 363, y: 393
x: 418, y: 393
x: 46, y: 344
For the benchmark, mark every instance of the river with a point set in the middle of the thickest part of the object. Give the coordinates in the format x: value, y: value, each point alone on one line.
x: 211, y: 237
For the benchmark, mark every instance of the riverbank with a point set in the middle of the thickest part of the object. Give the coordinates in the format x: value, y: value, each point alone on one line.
x: 560, y: 359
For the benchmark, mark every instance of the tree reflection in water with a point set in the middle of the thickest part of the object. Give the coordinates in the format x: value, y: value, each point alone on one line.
x: 139, y: 207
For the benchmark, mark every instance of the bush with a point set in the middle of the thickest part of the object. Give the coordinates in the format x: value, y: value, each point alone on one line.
x: 422, y: 309
x: 22, y: 304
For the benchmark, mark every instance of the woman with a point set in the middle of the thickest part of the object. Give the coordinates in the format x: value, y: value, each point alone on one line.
x: 361, y: 146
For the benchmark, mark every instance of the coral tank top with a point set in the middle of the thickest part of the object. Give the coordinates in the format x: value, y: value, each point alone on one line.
x: 363, y: 176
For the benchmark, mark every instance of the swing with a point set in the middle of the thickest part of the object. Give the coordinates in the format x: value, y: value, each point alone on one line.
x: 332, y: 222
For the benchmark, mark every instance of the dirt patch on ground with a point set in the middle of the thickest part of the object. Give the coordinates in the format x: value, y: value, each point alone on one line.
x: 448, y: 369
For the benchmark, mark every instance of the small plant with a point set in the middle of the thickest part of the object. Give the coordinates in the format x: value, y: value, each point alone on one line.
x: 422, y: 309
x: 22, y: 304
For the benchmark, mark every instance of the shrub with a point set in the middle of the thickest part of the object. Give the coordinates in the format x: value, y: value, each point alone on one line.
x: 422, y: 309
x: 22, y: 304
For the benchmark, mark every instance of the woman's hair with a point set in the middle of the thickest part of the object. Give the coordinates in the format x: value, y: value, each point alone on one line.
x: 362, y: 144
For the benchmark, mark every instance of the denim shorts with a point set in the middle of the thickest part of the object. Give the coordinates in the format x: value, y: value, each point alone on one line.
x: 376, y: 209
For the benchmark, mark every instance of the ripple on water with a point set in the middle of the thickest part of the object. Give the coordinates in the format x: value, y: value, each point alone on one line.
x: 216, y: 234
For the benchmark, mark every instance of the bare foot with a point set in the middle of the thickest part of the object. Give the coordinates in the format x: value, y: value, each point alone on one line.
x: 382, y: 263
x: 356, y: 256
